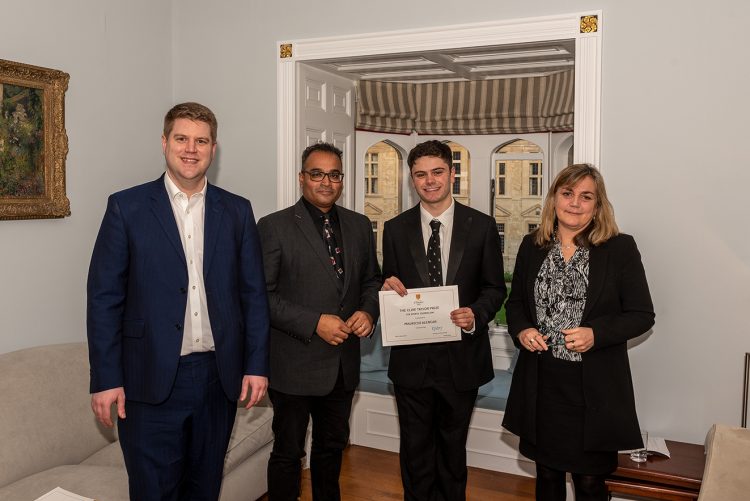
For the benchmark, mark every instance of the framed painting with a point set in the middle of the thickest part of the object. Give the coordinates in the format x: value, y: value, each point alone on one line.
x: 33, y: 142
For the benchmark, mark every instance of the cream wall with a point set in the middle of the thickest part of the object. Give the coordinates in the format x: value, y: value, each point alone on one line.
x: 118, y: 56
x: 674, y: 123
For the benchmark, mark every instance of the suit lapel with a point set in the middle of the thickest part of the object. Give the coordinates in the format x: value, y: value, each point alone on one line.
x: 415, y: 241
x: 461, y: 227
x: 307, y: 227
x: 347, y: 235
x: 212, y: 221
x: 162, y: 208
x: 536, y: 258
x: 598, y: 258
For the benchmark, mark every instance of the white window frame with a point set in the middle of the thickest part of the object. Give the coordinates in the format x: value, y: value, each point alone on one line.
x: 587, y: 121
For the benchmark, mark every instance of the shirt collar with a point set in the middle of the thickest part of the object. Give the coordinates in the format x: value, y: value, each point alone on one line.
x: 174, y: 191
x: 444, y: 218
x: 317, y: 213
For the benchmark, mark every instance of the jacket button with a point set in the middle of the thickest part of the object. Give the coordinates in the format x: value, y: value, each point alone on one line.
x: 178, y: 326
x: 183, y: 290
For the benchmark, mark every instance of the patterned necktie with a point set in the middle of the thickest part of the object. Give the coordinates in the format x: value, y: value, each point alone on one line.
x: 434, y: 261
x: 334, y: 251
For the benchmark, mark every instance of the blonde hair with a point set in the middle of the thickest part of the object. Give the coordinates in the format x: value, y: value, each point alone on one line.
x: 601, y: 228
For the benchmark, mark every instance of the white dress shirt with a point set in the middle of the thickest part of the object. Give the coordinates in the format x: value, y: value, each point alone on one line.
x: 445, y: 232
x: 189, y: 215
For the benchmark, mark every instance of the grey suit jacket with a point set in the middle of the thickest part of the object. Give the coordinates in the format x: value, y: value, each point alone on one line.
x: 302, y: 285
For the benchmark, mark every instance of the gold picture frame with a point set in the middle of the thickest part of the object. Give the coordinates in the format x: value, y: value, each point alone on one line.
x: 33, y: 142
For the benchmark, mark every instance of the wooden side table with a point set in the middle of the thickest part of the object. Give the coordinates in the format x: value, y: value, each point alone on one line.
x: 671, y: 479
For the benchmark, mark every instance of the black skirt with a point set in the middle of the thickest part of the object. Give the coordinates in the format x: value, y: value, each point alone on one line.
x: 560, y: 421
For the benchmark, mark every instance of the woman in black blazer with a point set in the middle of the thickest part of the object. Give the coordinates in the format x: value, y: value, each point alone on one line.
x: 579, y: 293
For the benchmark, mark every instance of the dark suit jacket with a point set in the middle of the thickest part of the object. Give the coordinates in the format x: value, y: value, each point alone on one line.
x: 618, y: 307
x: 302, y: 285
x: 475, y: 264
x: 137, y: 293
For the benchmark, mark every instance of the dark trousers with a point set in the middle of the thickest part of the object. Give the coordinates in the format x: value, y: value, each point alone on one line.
x: 175, y: 450
x: 330, y: 434
x: 434, y: 421
x: 550, y: 485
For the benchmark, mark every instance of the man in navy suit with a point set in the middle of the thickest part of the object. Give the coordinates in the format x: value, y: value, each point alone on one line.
x: 177, y: 317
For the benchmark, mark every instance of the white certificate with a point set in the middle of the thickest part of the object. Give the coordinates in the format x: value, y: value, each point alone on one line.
x: 421, y: 316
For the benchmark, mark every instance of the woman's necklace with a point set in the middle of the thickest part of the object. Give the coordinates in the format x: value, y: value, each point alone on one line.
x: 571, y: 245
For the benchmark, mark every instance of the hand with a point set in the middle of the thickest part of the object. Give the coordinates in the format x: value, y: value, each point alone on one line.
x: 463, y: 317
x: 579, y: 339
x: 101, y: 403
x: 532, y: 340
x: 394, y: 284
x: 332, y: 329
x: 360, y: 323
x: 258, y: 386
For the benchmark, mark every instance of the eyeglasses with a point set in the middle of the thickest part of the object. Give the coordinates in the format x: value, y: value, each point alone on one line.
x: 318, y: 175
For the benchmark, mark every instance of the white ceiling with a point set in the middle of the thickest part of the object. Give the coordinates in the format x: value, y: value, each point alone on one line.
x: 482, y: 63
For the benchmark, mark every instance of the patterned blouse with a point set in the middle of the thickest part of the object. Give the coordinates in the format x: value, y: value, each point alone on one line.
x: 560, y: 295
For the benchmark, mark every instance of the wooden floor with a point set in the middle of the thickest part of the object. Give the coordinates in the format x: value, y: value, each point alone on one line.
x: 374, y: 475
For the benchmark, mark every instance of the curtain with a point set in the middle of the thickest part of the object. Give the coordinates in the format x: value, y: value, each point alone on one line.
x: 511, y: 105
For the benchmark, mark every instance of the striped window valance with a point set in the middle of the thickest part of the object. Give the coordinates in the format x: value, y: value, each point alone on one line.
x: 386, y: 107
x: 503, y: 106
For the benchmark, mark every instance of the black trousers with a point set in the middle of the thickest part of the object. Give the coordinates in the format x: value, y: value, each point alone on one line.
x: 434, y: 422
x: 330, y: 434
x: 174, y: 451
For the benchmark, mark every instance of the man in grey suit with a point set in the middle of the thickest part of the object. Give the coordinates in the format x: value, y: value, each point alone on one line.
x: 322, y: 279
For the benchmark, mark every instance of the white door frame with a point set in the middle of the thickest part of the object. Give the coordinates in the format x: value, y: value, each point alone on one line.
x: 584, y: 28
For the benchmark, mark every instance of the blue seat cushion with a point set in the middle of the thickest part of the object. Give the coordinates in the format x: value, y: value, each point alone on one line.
x: 493, y: 395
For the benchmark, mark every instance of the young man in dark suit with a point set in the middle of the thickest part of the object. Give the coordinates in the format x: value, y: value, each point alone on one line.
x: 177, y: 317
x: 441, y: 242
x: 323, y: 279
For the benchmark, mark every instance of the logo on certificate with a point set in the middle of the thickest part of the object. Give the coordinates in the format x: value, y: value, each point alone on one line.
x: 419, y: 296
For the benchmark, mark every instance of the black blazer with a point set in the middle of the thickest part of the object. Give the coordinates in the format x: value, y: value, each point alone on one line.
x: 302, y: 285
x: 618, y: 307
x: 475, y: 264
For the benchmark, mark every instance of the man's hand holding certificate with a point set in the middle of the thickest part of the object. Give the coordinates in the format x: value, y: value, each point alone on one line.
x: 419, y: 316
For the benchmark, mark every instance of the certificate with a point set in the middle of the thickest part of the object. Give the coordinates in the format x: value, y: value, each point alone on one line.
x: 421, y: 316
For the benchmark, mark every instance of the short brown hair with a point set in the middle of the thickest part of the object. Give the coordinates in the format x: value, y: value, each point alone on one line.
x: 601, y: 228
x: 192, y: 111
x: 431, y: 148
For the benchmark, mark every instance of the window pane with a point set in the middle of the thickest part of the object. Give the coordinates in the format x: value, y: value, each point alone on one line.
x: 456, y: 155
x: 501, y: 186
x: 533, y: 186
x: 501, y: 232
x: 457, y: 168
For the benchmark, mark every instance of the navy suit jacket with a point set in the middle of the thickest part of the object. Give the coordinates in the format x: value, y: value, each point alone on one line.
x: 137, y: 293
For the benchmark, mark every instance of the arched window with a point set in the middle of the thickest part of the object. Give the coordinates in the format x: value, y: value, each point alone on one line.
x: 382, y: 187
x: 462, y: 166
x: 518, y: 193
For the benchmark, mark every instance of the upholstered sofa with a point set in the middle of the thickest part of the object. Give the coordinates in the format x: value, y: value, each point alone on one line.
x: 49, y: 437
